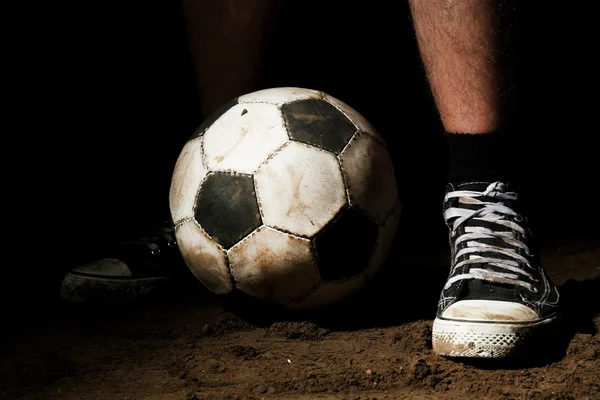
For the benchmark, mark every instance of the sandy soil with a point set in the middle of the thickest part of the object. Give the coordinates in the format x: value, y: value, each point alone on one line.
x: 191, y: 345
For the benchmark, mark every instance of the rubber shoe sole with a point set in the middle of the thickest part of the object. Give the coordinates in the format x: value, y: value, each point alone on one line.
x: 456, y: 338
x: 77, y: 287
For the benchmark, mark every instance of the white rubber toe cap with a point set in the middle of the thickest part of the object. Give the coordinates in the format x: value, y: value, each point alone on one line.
x: 490, y: 310
x: 105, y: 267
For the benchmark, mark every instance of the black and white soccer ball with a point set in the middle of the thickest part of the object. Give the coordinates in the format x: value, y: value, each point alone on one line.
x: 287, y: 195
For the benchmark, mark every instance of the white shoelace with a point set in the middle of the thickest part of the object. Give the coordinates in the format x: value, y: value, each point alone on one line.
x: 495, y: 213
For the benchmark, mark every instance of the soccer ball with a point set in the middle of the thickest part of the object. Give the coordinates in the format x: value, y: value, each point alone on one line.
x: 287, y: 195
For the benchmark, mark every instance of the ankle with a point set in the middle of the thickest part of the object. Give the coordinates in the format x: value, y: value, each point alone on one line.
x: 482, y: 157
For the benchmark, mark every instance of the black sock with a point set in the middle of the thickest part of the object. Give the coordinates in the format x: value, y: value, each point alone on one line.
x: 482, y: 157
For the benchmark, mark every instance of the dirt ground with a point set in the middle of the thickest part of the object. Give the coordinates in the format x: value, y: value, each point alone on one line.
x: 191, y: 345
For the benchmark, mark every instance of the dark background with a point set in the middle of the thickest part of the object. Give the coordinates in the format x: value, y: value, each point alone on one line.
x: 108, y: 101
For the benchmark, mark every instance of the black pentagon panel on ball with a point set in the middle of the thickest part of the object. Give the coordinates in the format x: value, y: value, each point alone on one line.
x: 344, y: 247
x: 319, y: 123
x: 227, y: 208
x: 212, y: 118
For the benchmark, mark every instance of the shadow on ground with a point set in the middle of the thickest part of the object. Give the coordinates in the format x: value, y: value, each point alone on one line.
x: 403, y: 295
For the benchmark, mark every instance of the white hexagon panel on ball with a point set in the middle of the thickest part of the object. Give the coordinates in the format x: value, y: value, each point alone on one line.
x: 242, y: 141
x: 370, y: 177
x: 273, y: 265
x: 188, y: 174
x: 300, y: 189
x: 205, y: 259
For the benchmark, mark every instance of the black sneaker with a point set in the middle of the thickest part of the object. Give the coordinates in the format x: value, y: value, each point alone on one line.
x: 135, y: 270
x: 498, y: 301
